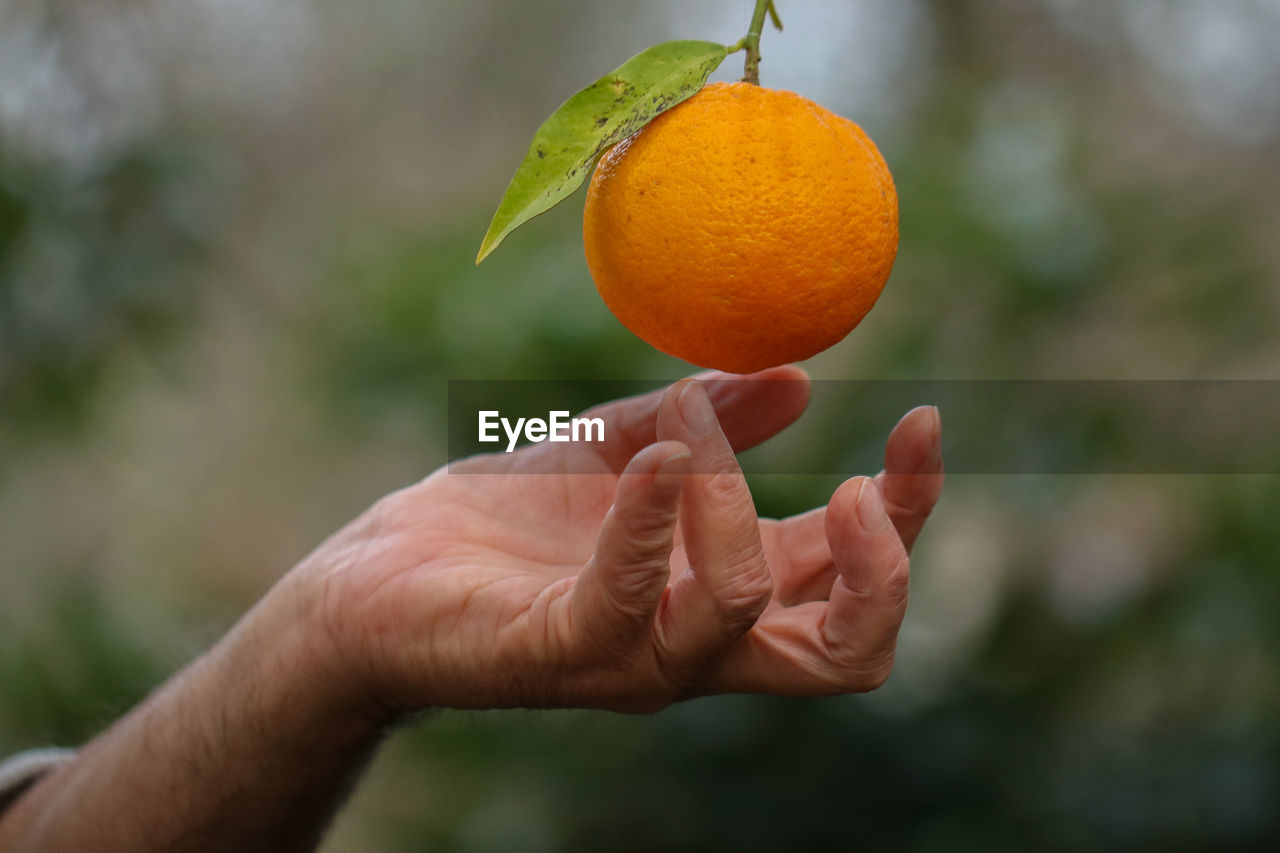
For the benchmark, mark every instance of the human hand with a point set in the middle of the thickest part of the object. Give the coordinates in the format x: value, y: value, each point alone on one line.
x: 635, y: 575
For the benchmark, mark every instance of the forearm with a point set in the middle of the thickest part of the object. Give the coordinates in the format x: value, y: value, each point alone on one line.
x: 248, y: 748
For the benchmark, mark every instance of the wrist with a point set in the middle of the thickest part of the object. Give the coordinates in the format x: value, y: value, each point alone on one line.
x: 291, y: 679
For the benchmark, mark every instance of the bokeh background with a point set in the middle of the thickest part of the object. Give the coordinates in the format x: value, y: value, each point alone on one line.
x: 236, y: 244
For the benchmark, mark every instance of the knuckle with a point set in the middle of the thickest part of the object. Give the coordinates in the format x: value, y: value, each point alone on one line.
x: 648, y: 536
x: 726, y: 488
x: 651, y: 516
x: 648, y: 550
x: 633, y: 592
x: 738, y: 615
x: 746, y: 597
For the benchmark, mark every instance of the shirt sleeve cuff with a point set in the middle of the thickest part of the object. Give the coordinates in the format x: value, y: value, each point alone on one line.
x: 23, y: 770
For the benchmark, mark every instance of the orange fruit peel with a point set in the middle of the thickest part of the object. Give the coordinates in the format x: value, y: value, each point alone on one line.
x: 744, y: 228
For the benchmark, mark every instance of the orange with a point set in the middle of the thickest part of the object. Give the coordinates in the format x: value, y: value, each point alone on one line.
x: 743, y: 228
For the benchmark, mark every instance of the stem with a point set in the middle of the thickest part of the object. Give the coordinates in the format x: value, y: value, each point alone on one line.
x: 751, y: 71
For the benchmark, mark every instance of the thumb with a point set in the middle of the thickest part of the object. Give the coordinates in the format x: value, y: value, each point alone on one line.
x: 618, y: 592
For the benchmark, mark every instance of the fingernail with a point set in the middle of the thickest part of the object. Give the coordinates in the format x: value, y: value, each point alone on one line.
x: 871, y: 514
x: 676, y: 463
x: 696, y: 410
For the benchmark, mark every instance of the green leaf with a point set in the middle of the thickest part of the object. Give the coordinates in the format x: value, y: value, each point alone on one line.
x: 566, y: 147
x: 773, y: 17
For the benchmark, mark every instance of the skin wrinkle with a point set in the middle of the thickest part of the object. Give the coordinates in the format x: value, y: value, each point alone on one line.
x: 254, y: 744
x: 626, y: 586
x: 677, y: 675
x: 533, y: 619
x: 612, y: 646
x: 476, y: 532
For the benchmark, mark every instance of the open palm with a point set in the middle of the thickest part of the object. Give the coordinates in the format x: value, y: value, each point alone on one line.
x: 634, y: 572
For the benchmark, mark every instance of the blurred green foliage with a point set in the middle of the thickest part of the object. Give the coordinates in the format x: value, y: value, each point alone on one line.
x: 230, y: 326
x: 70, y: 678
x: 80, y: 258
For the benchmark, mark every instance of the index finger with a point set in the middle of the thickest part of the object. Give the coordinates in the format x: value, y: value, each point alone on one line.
x: 750, y: 409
